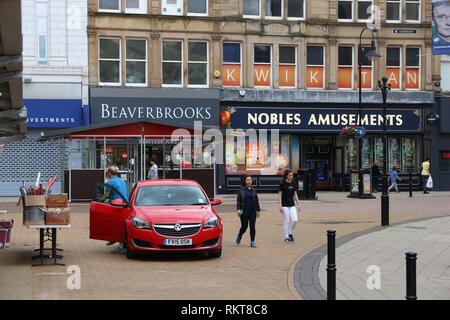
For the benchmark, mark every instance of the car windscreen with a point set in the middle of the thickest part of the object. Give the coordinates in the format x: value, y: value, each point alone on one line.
x: 170, y: 195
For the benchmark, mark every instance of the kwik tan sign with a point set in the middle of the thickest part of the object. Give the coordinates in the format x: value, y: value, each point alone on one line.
x: 320, y: 119
x: 162, y: 106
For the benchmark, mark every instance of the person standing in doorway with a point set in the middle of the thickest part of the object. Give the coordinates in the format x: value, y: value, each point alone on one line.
x: 289, y: 204
x: 118, y: 192
x: 393, y: 176
x: 425, y: 173
x: 248, y: 210
x: 376, y: 173
x: 153, y: 172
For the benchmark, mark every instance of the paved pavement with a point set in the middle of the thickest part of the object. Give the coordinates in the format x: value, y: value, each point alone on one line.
x: 386, y: 249
x: 241, y: 273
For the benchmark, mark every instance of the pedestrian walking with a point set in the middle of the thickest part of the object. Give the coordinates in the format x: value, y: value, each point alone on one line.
x: 289, y: 204
x: 153, y: 172
x: 248, y: 210
x: 425, y: 173
x: 376, y: 173
x: 394, y: 178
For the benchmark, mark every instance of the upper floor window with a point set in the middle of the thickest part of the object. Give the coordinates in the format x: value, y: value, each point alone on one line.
x: 136, y: 6
x: 288, y: 66
x: 296, y: 9
x: 42, y: 31
x: 109, y: 5
x: 393, y: 67
x: 345, y: 10
x: 232, y: 65
x: 136, y: 62
x: 172, y: 7
x: 393, y: 11
x: 345, y: 68
x: 274, y: 9
x: 315, y: 67
x: 252, y: 8
x: 412, y: 69
x: 198, y: 75
x: 365, y: 10
x: 412, y: 10
x: 172, y: 63
x: 366, y: 69
x: 109, y: 61
x: 198, y: 7
x: 262, y: 76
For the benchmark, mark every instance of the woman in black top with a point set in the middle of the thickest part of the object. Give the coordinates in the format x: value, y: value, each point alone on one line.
x: 288, y: 204
x: 248, y: 210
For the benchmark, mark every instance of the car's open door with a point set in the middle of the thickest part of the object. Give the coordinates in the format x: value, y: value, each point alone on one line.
x: 107, y: 221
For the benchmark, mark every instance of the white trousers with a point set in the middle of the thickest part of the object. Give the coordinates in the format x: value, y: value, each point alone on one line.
x: 290, y: 220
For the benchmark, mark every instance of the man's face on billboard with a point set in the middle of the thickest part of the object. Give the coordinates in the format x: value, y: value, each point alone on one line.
x: 442, y: 20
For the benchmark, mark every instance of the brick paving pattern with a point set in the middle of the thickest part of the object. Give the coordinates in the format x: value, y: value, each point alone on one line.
x: 241, y: 272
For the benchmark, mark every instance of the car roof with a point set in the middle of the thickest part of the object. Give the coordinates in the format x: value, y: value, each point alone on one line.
x: 167, y: 182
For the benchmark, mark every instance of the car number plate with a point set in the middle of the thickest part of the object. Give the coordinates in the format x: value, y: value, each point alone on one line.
x: 178, y: 242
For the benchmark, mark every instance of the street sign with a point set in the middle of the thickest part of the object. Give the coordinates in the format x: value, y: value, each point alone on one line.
x: 404, y: 31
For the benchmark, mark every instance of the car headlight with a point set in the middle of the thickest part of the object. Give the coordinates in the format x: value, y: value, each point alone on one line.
x: 211, y: 223
x: 141, y: 223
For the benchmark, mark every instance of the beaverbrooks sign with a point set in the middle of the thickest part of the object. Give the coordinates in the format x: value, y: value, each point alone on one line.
x: 170, y: 107
x: 320, y: 119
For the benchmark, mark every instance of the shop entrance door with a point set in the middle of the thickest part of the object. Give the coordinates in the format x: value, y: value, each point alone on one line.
x: 338, y: 168
x: 134, y: 163
x: 319, y: 158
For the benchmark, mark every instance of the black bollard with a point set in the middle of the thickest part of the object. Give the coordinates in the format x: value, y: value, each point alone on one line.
x: 331, y: 266
x: 410, y: 185
x: 411, y: 258
x: 385, y: 203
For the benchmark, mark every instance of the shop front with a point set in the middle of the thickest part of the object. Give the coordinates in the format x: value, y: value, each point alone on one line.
x: 310, y: 138
x: 130, y: 127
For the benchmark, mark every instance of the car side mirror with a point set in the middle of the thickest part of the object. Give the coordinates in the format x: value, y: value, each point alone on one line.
x: 119, y: 203
x: 216, y: 201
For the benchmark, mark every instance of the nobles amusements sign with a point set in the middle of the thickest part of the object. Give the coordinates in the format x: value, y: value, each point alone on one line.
x: 320, y: 119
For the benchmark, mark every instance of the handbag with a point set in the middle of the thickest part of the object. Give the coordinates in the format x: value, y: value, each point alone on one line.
x: 430, y: 183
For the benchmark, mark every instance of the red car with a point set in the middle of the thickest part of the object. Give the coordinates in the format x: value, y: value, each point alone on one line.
x: 162, y: 215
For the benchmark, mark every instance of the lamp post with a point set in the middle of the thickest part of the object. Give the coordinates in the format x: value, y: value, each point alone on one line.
x: 385, y: 87
x: 371, y: 55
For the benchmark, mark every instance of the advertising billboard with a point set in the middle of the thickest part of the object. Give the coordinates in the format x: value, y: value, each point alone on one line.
x: 441, y: 27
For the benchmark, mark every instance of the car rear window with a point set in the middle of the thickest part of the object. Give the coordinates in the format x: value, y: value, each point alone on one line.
x: 170, y: 195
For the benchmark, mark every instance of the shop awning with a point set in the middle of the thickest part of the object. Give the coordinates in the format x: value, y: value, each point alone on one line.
x: 131, y: 128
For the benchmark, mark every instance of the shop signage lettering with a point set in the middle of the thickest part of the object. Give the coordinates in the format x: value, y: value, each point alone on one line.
x: 173, y: 107
x: 319, y: 119
x: 53, y: 113
x: 114, y: 112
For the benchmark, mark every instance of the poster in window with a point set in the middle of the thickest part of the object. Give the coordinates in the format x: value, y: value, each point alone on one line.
x: 345, y: 80
x: 366, y: 77
x: 287, y: 76
x: 393, y: 75
x: 440, y: 27
x: 231, y: 74
x: 314, y: 77
x: 262, y: 75
x: 412, y: 78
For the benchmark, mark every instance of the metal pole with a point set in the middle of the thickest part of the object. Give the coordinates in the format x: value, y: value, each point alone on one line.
x: 410, y: 185
x: 360, y: 144
x: 385, y: 203
x: 411, y: 283
x: 331, y: 266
